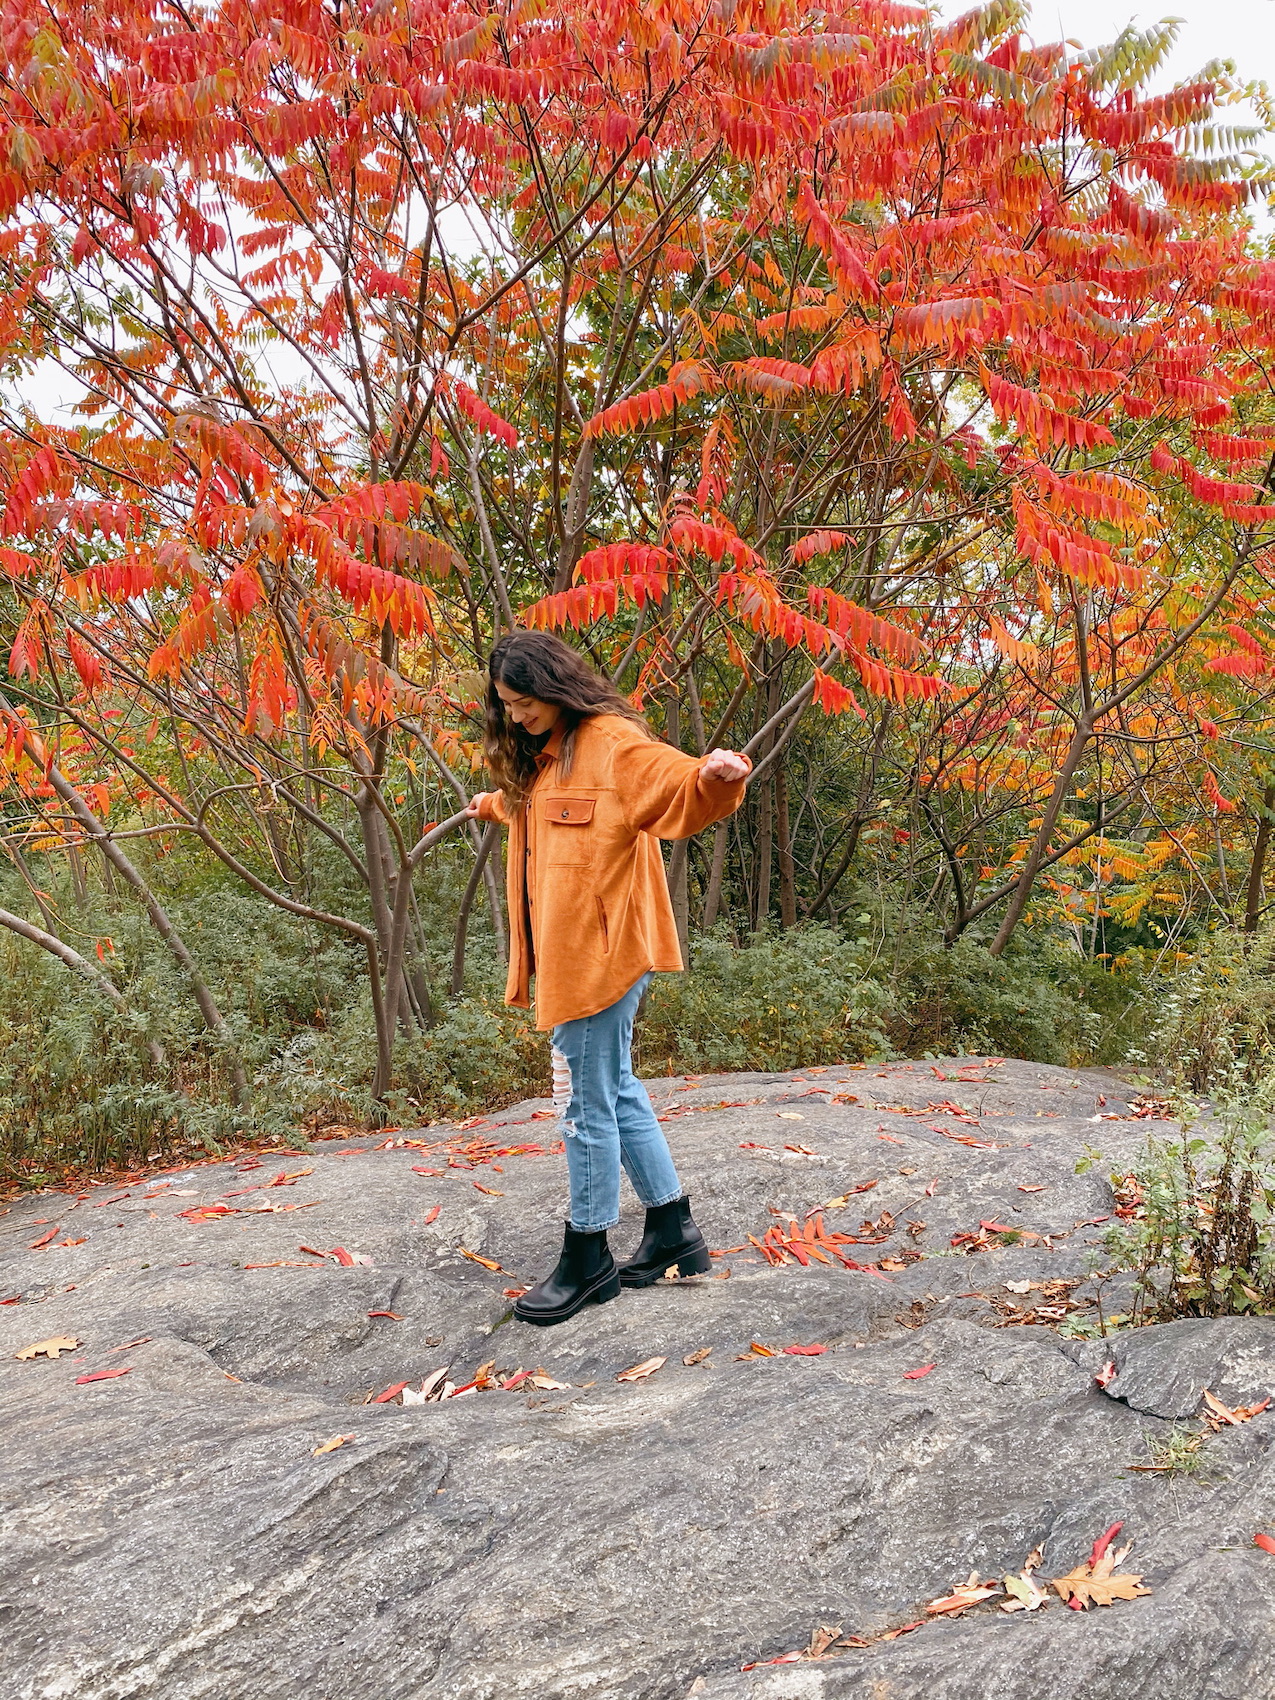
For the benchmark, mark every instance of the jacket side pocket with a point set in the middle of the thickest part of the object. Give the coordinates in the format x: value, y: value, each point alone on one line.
x: 602, y: 922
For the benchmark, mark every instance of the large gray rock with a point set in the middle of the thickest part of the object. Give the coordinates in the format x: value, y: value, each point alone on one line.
x: 170, y: 1532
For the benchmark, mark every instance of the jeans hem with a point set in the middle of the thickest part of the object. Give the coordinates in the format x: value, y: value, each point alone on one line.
x: 658, y: 1203
x: 602, y: 1227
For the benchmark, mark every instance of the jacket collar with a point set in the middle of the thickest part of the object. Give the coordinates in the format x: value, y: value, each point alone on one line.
x: 553, y: 743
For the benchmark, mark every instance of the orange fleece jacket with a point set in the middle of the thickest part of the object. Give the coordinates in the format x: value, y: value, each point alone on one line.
x: 583, y: 850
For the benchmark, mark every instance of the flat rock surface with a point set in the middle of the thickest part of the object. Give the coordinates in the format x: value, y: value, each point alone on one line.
x: 169, y: 1529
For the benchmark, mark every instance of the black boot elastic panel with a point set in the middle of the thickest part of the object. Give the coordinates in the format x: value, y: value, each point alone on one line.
x: 671, y: 1237
x: 586, y: 1274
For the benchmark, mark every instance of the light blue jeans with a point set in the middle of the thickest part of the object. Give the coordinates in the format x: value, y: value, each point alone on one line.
x: 607, y: 1117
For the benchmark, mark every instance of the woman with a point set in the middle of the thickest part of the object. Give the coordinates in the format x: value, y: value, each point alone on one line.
x: 586, y: 790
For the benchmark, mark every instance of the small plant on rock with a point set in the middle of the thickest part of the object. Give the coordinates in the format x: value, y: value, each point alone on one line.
x: 1195, y: 1226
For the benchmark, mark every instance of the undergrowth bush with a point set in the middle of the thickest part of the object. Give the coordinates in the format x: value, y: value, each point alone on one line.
x: 1214, y: 1022
x: 1199, y: 1240
x: 79, y: 1088
x: 787, y: 1001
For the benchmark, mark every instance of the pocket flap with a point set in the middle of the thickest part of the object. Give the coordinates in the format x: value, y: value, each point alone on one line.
x: 570, y: 811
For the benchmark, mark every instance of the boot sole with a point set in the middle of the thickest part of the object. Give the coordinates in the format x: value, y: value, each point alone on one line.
x: 688, y: 1263
x: 602, y: 1293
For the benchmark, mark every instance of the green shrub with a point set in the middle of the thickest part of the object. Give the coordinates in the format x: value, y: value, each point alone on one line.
x: 1214, y: 1022
x: 787, y: 1001
x: 1200, y: 1241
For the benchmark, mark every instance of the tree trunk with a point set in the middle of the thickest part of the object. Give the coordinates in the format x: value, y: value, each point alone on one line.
x: 717, y: 868
x: 765, y: 850
x: 679, y: 893
x: 485, y: 848
x: 1253, y: 891
x: 160, y: 920
x: 1040, y: 844
x: 783, y: 843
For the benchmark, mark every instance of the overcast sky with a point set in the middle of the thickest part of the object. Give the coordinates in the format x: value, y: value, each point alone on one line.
x: 1243, y: 30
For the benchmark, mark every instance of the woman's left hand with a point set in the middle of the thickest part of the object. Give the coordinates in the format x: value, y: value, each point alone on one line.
x: 726, y: 765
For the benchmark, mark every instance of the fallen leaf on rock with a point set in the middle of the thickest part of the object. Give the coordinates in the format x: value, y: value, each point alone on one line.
x: 845, y: 1197
x: 697, y: 1357
x: 489, y: 1190
x: 805, y: 1351
x: 102, y: 1375
x: 1266, y: 1542
x: 821, y: 1639
x: 1031, y: 1189
x: 44, y: 1239
x: 1107, y: 1374
x: 390, y: 1393
x: 72, y: 1242
x: 50, y: 1348
x: 757, y: 1350
x: 964, y: 1595
x: 728, y: 1251
x: 639, y: 1372
x: 1025, y: 1593
x: 790, y: 1115
x: 929, y: 1191
x: 342, y: 1256
x: 547, y: 1384
x: 906, y: 1629
x: 513, y: 1292
x: 289, y: 1179
x: 916, y: 1374
x: 890, y: 1139
x: 544, y: 1115
x: 417, y: 1170
x: 485, y: 1261
x: 783, y: 1659
x: 1018, y: 1286
x: 331, y: 1445
x: 392, y: 1314
x: 1219, y: 1416
x: 431, y: 1215
x: 141, y: 1340
x: 1093, y: 1585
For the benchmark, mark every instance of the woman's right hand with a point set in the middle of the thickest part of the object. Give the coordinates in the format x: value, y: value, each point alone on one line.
x: 472, y: 807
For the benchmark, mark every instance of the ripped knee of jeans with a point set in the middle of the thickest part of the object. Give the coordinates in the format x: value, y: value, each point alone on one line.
x: 562, y: 1089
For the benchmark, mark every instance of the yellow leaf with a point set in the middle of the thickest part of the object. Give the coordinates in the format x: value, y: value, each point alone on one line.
x: 1088, y: 1588
x: 485, y: 1261
x: 639, y: 1372
x: 331, y: 1445
x: 50, y: 1348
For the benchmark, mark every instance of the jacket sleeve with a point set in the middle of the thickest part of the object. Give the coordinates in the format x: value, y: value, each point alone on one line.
x: 662, y: 791
x: 491, y: 807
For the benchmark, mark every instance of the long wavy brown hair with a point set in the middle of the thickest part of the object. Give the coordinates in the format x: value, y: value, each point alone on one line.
x: 537, y: 664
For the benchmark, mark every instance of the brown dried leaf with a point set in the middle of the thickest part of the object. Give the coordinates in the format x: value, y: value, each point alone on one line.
x: 1025, y: 1594
x: 639, y: 1372
x: 1219, y: 1416
x: 50, y: 1348
x: 697, y: 1357
x: 964, y: 1595
x: 547, y: 1384
x: 485, y: 1261
x: 1089, y: 1586
x: 331, y: 1445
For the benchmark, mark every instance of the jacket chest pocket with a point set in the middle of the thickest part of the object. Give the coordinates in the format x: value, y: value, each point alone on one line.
x: 568, y: 828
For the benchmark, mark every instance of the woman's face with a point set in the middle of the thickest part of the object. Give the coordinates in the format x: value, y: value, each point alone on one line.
x: 535, y: 717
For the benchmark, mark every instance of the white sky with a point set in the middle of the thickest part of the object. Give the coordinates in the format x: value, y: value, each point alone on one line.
x: 1243, y: 30
x: 1240, y: 30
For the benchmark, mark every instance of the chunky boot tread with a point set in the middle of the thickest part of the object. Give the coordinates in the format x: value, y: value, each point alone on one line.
x: 607, y: 1287
x: 585, y: 1274
x: 671, y: 1237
